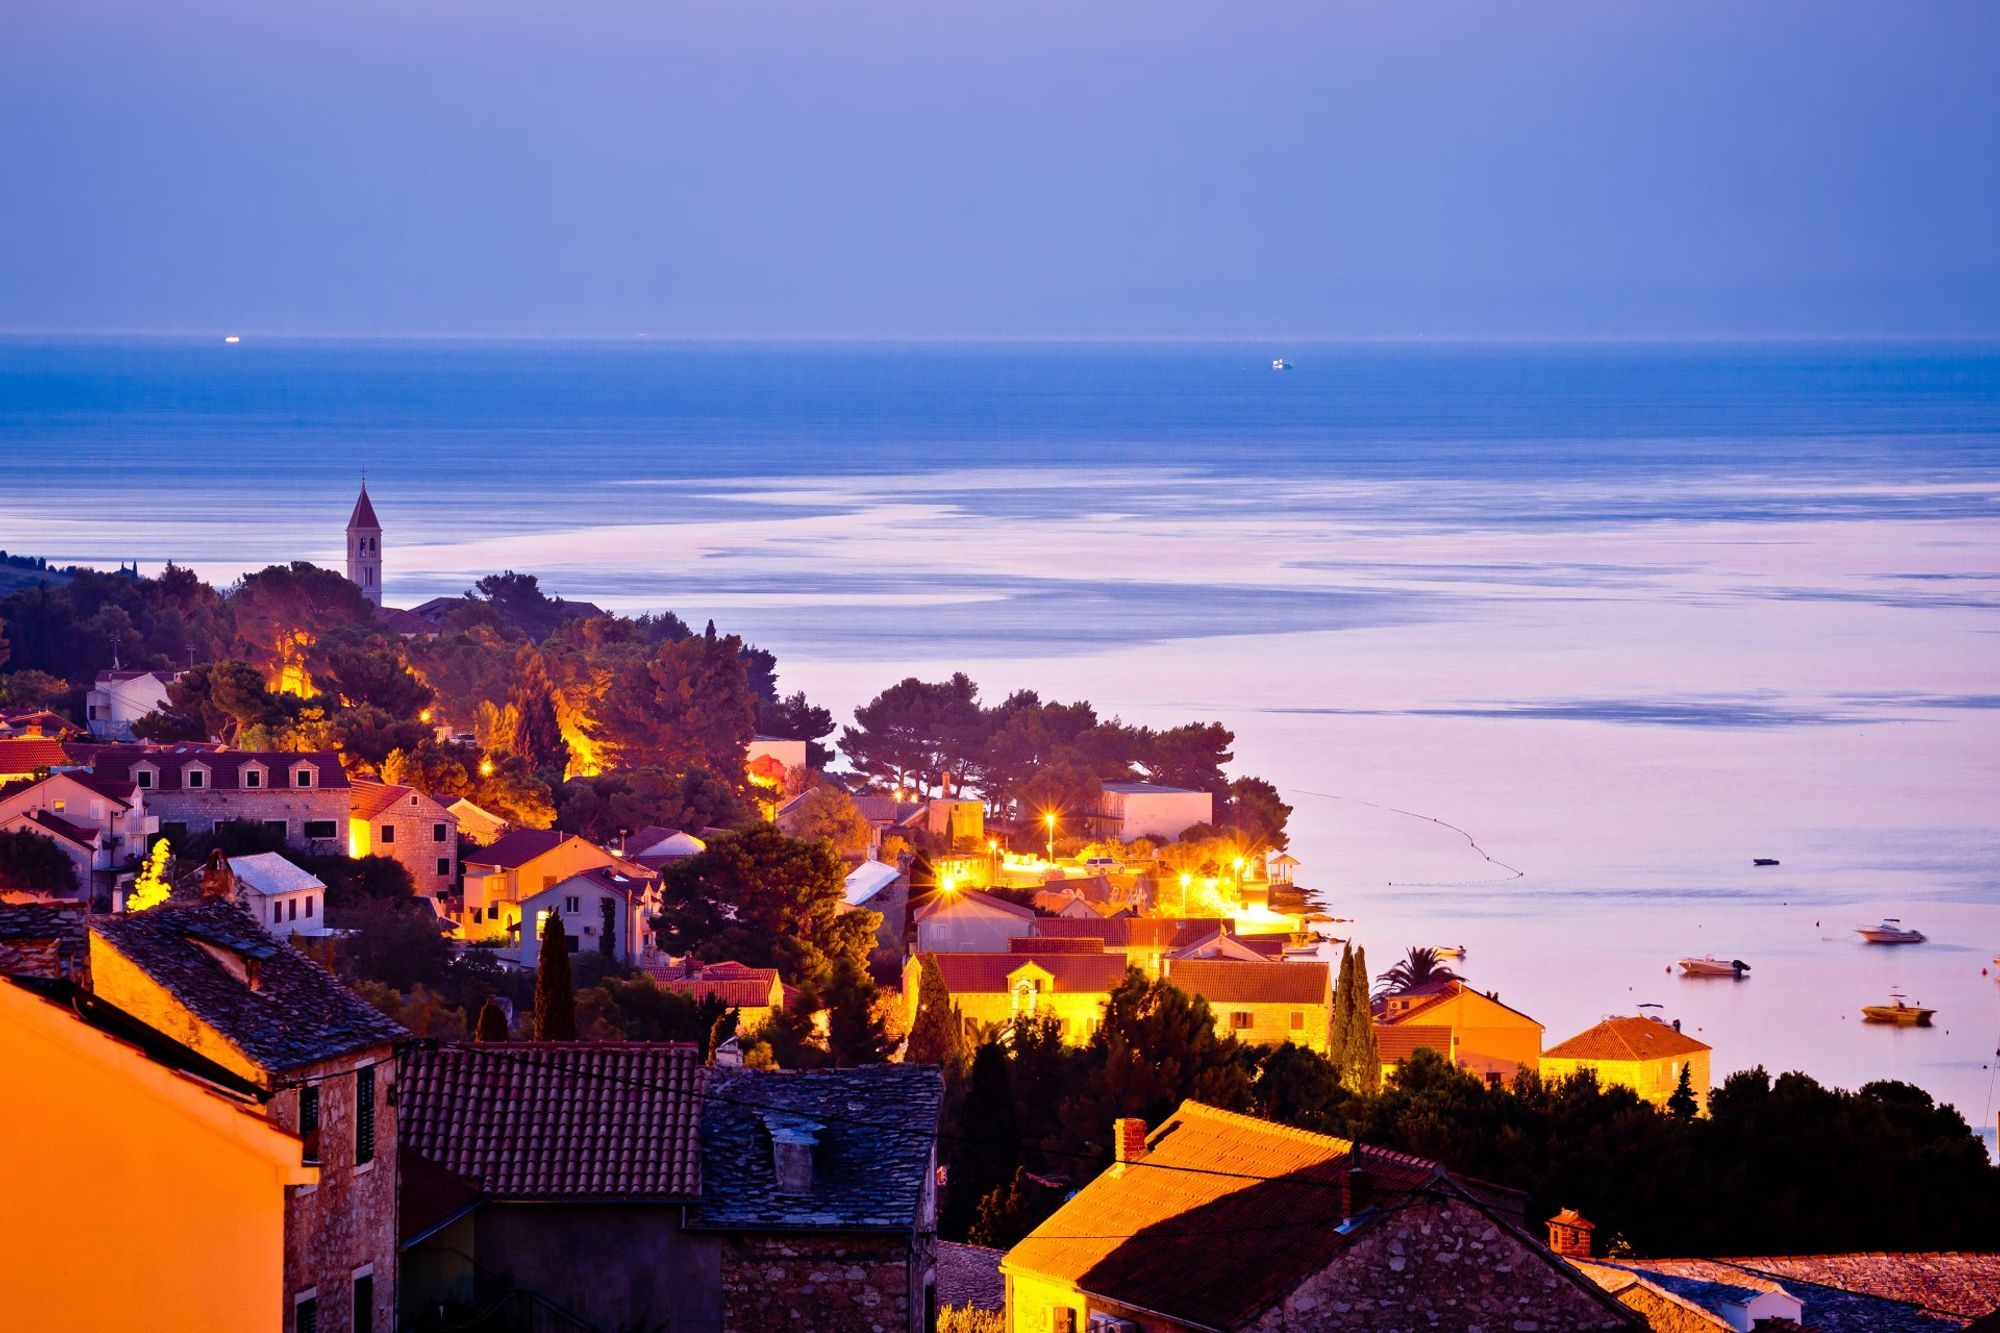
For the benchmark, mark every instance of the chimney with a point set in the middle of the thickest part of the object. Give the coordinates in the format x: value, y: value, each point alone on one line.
x: 1569, y: 1234
x: 792, y: 1141
x: 1128, y: 1139
x: 1357, y: 1191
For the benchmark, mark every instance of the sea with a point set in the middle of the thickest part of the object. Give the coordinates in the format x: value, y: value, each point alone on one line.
x: 1545, y: 643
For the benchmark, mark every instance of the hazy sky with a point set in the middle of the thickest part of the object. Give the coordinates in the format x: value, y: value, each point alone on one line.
x: 1000, y: 167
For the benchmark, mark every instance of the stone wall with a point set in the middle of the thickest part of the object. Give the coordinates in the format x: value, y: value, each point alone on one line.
x: 415, y: 846
x: 1444, y: 1266
x: 783, y: 1282
x: 348, y: 1220
x: 200, y: 810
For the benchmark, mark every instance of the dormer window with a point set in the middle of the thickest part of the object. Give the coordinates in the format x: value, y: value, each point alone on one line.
x: 142, y: 778
x: 302, y: 776
x: 194, y: 777
x: 253, y: 778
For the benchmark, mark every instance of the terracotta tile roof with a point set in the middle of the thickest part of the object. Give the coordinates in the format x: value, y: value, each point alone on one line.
x: 225, y: 767
x: 1145, y: 1235
x: 558, y: 1120
x: 25, y: 754
x: 736, y: 985
x: 372, y: 798
x: 1085, y: 944
x: 1134, y: 932
x: 941, y: 901
x: 513, y: 850
x: 1399, y: 1042
x: 1626, y: 1038
x: 1430, y: 996
x: 871, y: 1159
x: 299, y: 1015
x: 1851, y: 1293
x: 1230, y: 981
x: 968, y: 1276
x: 56, y: 826
x: 1070, y: 973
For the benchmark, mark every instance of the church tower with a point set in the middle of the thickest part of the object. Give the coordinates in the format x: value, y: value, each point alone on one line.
x: 364, y: 549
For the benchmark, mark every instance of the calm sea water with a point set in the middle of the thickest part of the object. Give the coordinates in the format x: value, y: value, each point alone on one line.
x: 1619, y: 618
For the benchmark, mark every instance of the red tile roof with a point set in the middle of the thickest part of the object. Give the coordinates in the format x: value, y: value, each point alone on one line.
x: 372, y: 798
x: 1070, y: 973
x: 25, y: 754
x: 1398, y: 1043
x: 1155, y: 1234
x: 736, y: 985
x: 1430, y: 996
x: 62, y: 828
x: 558, y: 1120
x: 1134, y: 932
x: 364, y: 513
x: 1232, y: 981
x: 1626, y: 1038
x: 1063, y: 944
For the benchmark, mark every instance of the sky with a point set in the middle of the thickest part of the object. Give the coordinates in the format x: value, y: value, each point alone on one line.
x: 959, y: 168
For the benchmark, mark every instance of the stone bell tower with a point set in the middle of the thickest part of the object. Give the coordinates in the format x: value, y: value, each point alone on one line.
x: 364, y: 548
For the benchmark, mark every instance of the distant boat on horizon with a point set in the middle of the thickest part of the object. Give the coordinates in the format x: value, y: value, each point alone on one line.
x: 232, y: 338
x: 1891, y: 931
x: 1763, y: 860
x: 1279, y: 363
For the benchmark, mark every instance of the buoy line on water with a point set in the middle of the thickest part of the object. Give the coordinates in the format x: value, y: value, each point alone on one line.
x: 1513, y: 872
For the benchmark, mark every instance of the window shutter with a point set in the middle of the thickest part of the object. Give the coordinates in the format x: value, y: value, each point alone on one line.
x: 364, y: 1115
x: 309, y: 1121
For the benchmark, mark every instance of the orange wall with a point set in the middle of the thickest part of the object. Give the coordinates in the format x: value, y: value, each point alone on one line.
x: 129, y: 1196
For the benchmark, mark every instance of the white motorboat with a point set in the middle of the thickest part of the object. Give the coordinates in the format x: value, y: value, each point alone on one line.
x: 1279, y: 363
x: 1710, y: 966
x: 1891, y: 931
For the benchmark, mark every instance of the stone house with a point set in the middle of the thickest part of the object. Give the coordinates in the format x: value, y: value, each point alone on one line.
x: 117, y: 699
x: 1471, y: 1029
x: 624, y: 1185
x: 1260, y: 1002
x: 403, y: 824
x: 100, y: 824
x: 1144, y: 941
x: 322, y: 1063
x: 968, y: 921
x: 1220, y: 1223
x: 152, y: 1190
x: 755, y: 993
x: 1148, y: 810
x: 480, y: 825
x: 1644, y: 1054
x: 192, y: 789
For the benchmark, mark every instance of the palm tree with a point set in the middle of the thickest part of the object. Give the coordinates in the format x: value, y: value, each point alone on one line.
x: 1418, y: 968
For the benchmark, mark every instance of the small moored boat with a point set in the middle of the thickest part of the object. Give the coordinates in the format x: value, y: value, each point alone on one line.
x: 1279, y: 363
x: 1763, y: 860
x: 1891, y: 931
x: 1899, y: 1011
x: 1711, y: 966
x: 1449, y: 951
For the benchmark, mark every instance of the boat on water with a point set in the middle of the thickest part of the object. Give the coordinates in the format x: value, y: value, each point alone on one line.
x: 1763, y: 860
x: 1899, y: 1011
x: 1891, y: 931
x: 1449, y: 951
x: 1279, y: 363
x: 1710, y: 966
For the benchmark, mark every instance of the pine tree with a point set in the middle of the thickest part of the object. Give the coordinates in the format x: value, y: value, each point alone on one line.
x: 937, y: 1037
x: 538, y: 735
x: 555, y: 994
x: 1683, y: 1104
x: 1361, y: 1061
x: 492, y: 1024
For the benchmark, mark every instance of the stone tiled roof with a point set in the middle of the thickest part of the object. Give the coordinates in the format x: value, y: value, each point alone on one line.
x: 969, y: 1275
x: 1146, y: 1234
x: 871, y: 1161
x: 298, y: 1015
x: 987, y: 973
x: 225, y: 767
x: 42, y: 939
x: 1625, y: 1038
x: 269, y: 872
x: 558, y: 1120
x: 1232, y: 981
x: 1848, y: 1293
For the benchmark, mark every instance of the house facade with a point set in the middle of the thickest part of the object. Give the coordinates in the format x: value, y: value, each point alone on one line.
x: 1148, y: 810
x: 1643, y: 1054
x: 279, y: 896
x: 755, y: 993
x: 324, y: 1064
x: 117, y: 699
x: 517, y: 866
x: 408, y: 827
x: 1263, y: 1003
x: 968, y: 921
x: 991, y: 989
x: 1337, y: 1238
x: 191, y: 790
x: 100, y: 824
x: 1471, y: 1029
x: 589, y: 904
x: 181, y: 1170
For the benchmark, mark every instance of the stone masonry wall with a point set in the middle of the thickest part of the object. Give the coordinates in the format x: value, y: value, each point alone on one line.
x: 200, y: 810
x: 1443, y: 1267
x: 787, y: 1283
x: 348, y: 1220
x: 414, y: 847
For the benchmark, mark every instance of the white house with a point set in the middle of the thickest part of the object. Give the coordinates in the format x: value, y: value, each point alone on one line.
x: 85, y: 814
x: 968, y: 921
x: 868, y: 879
x: 1148, y: 810
x: 284, y: 898
x: 120, y: 698
x: 581, y: 902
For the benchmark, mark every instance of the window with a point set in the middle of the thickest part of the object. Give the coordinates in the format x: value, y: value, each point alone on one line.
x: 305, y: 1315
x: 437, y: 832
x: 309, y: 907
x: 309, y: 1122
x: 295, y: 909
x: 1241, y: 1020
x: 277, y: 826
x: 364, y: 1115
x: 143, y: 778
x: 364, y: 1303
x: 253, y: 779
x: 388, y: 834
x: 194, y: 779
x: 302, y: 777
x: 444, y: 865
x: 175, y: 831
x: 572, y: 903
x: 1298, y: 1020
x: 277, y: 911
x: 60, y: 804
x: 320, y: 829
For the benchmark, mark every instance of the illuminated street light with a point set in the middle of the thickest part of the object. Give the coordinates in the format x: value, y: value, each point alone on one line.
x: 1050, y: 819
x: 485, y: 768
x: 946, y: 884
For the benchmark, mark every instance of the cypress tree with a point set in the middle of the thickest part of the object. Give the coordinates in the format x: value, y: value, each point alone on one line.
x: 492, y: 1024
x: 937, y: 1035
x: 989, y: 1148
x: 555, y: 994
x: 1683, y: 1104
x: 1340, y: 1026
x: 1361, y: 1062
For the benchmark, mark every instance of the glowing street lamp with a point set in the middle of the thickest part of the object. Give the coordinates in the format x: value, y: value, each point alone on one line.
x: 1186, y: 879
x: 1050, y: 819
x: 946, y: 884
x: 485, y: 768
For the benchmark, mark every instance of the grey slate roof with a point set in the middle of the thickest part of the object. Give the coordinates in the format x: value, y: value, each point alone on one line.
x: 871, y: 1164
x: 298, y: 1016
x: 1847, y: 1293
x: 969, y: 1276
x: 42, y: 939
